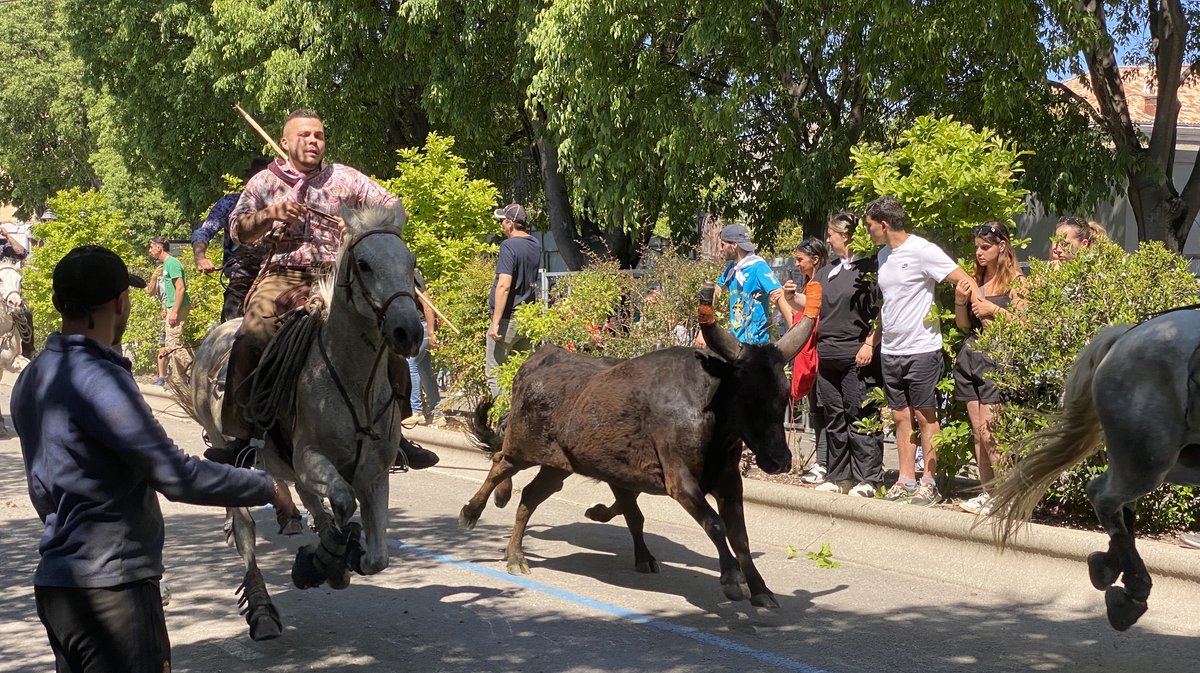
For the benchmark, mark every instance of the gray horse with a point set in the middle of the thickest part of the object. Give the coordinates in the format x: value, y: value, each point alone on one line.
x: 339, y: 425
x: 1137, y: 389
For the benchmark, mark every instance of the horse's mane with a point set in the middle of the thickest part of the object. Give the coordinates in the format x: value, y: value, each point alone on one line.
x: 358, y: 222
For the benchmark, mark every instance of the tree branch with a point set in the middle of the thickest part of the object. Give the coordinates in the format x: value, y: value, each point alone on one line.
x: 1168, y: 29
x: 1106, y: 80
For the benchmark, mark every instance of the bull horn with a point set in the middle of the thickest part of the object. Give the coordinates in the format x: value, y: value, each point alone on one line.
x: 791, y: 343
x: 721, y: 341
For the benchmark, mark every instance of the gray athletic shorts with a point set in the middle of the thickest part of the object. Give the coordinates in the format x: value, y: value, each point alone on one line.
x: 910, y: 381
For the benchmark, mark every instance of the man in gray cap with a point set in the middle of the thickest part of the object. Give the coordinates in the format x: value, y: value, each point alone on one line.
x: 95, y: 460
x: 752, y: 287
x: 516, y: 283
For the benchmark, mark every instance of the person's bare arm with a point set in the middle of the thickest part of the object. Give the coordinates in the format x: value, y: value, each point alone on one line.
x: 503, y: 285
x: 430, y: 321
x: 253, y: 226
x: 785, y: 307
x: 173, y: 313
x: 13, y: 243
x: 203, y: 263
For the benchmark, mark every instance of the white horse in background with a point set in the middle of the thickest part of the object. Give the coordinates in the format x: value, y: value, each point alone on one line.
x: 11, y: 324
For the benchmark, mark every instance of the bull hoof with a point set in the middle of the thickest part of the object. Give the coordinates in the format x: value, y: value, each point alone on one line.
x: 736, y: 591
x: 467, y: 519
x: 264, y: 622
x: 650, y: 566
x: 518, y: 567
x: 765, y: 600
x: 304, y: 570
x: 1123, y: 611
x: 1100, y: 571
x: 502, y: 494
x: 600, y: 513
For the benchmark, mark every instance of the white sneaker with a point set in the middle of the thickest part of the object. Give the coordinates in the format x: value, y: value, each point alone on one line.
x: 842, y: 487
x: 863, y: 490
x: 815, y: 475
x: 980, y: 504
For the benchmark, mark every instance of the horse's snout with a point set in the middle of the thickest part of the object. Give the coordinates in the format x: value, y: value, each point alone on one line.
x: 406, y: 339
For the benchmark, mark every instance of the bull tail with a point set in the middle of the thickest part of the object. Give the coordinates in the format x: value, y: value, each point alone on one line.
x: 491, y: 440
x: 486, y: 438
x: 1074, y: 433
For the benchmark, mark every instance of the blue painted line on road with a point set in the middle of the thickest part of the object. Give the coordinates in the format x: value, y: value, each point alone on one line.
x: 697, y: 635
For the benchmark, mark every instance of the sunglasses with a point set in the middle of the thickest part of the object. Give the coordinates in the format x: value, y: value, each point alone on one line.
x: 990, y: 230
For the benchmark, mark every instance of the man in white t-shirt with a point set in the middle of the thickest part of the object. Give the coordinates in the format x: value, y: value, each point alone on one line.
x: 910, y: 267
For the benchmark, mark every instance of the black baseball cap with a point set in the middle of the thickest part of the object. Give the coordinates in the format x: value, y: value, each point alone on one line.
x: 91, y: 275
x: 513, y: 211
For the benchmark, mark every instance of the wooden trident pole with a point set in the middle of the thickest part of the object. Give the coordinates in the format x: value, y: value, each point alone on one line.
x: 279, y: 150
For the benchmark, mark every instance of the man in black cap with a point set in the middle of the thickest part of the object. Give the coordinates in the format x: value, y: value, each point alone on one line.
x: 94, y: 459
x: 516, y: 277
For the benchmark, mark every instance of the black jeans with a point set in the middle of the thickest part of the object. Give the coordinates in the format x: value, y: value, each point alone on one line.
x: 841, y: 388
x: 235, y: 294
x: 111, y: 630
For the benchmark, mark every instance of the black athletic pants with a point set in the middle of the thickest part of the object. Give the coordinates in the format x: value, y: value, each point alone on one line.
x: 852, y: 455
x: 112, y: 630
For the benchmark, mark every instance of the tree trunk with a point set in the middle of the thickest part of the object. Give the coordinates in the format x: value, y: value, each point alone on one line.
x: 1161, y: 214
x: 554, y: 189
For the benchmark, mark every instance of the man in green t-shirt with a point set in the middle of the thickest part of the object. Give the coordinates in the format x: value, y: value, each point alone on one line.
x: 176, y: 303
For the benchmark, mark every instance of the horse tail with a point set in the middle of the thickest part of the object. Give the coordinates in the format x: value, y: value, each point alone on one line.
x: 1074, y: 433
x: 180, y: 387
x: 486, y: 438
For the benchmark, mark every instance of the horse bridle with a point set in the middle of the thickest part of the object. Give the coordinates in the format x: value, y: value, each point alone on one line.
x: 379, y: 309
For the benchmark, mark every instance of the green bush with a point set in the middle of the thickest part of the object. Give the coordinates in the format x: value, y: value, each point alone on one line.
x: 1063, y: 306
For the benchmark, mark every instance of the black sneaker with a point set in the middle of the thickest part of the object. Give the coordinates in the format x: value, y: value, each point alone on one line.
x: 413, y: 456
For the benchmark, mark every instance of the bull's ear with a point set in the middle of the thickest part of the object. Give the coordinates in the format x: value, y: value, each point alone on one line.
x: 721, y: 341
x: 791, y: 343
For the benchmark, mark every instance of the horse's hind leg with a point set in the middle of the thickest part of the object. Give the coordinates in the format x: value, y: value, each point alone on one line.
x: 625, y: 504
x: 1125, y: 604
x: 503, y: 468
x: 547, y: 482
x: 261, y: 615
x: 729, y: 503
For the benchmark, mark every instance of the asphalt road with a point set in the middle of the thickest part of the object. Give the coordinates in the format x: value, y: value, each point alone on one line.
x: 447, y: 604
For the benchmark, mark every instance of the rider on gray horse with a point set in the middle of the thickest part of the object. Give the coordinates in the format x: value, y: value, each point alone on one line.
x: 293, y: 199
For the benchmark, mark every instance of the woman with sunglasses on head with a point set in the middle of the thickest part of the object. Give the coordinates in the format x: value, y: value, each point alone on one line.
x: 848, y: 363
x: 811, y: 257
x: 997, y: 274
x: 1073, y: 233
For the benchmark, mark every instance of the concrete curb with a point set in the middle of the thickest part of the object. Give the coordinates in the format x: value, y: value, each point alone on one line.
x: 1162, y: 560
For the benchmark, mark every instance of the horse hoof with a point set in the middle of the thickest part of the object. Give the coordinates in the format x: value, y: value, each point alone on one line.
x: 650, y: 566
x: 765, y: 600
x: 293, y: 526
x: 304, y: 570
x: 737, y: 591
x: 518, y: 567
x: 467, y: 519
x: 265, y: 623
x: 1100, y: 571
x: 340, y: 582
x: 600, y: 513
x: 1123, y: 611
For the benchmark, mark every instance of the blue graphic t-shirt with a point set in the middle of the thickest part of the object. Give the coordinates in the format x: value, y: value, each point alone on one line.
x: 750, y: 283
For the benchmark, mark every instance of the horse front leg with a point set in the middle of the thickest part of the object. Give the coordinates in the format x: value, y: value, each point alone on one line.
x: 374, y: 499
x: 327, y: 561
x: 683, y: 489
x: 254, y: 600
x: 1125, y: 605
x: 730, y: 504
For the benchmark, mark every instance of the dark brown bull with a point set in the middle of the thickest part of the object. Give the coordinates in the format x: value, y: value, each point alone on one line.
x: 670, y: 422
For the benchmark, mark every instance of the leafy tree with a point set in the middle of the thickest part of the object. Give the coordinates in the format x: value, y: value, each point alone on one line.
x: 1063, y: 306
x: 45, y: 142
